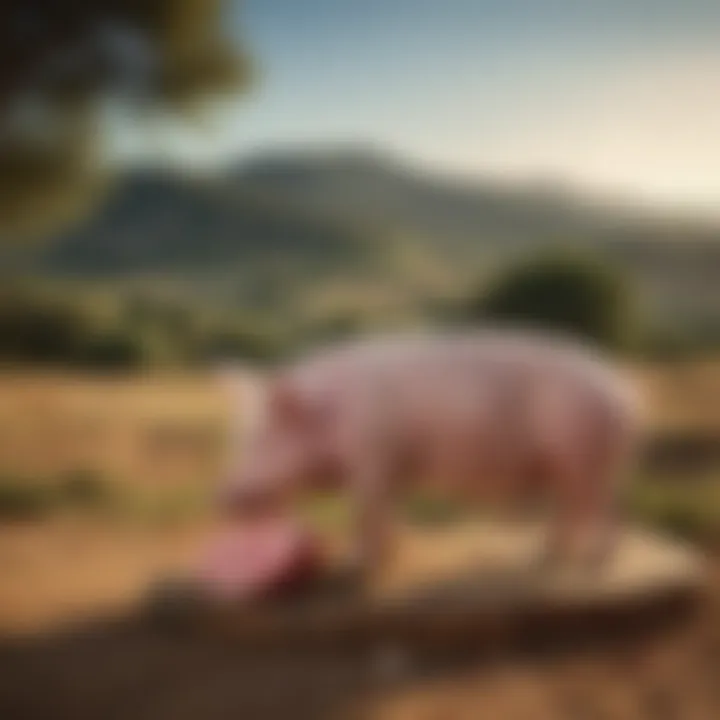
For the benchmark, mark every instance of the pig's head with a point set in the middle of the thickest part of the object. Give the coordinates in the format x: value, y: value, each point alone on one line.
x: 280, y: 448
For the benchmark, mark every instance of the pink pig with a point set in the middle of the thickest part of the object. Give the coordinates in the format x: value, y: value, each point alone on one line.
x: 491, y: 416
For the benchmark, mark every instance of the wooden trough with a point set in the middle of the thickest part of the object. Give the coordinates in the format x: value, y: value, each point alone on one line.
x: 474, y: 584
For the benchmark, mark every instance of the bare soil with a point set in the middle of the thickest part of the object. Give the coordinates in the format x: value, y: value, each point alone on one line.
x: 76, y: 646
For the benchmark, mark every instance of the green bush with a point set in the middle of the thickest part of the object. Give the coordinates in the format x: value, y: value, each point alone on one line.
x: 567, y: 292
x: 112, y: 350
x: 31, y: 499
x: 22, y: 499
x: 687, y: 511
x: 75, y: 329
x: 38, y: 328
x: 245, y: 343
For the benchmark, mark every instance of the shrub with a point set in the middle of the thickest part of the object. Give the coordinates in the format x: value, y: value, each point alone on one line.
x: 689, y: 512
x: 30, y: 499
x: 564, y: 292
x: 252, y: 344
x: 112, y: 350
x: 36, y: 328
x: 21, y: 499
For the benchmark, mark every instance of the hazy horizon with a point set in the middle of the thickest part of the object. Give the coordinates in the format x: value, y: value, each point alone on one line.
x: 616, y: 99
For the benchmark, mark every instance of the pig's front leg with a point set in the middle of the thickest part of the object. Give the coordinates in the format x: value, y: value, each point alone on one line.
x: 368, y: 447
x: 369, y: 483
x: 373, y: 516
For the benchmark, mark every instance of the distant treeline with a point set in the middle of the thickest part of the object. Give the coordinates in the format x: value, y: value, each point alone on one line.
x: 42, y: 326
x: 574, y: 293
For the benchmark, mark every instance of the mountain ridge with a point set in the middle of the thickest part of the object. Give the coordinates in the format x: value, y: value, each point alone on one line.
x: 292, y: 221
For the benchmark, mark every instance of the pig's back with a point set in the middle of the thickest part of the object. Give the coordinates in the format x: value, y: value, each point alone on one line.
x: 509, y: 371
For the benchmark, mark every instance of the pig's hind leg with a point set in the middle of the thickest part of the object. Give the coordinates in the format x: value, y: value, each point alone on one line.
x: 584, y: 482
x: 609, y: 463
x: 371, y: 462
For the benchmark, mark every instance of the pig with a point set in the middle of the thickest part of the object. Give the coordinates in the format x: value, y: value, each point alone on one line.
x: 493, y: 416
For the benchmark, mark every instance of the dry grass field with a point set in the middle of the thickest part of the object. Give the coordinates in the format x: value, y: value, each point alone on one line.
x: 155, y: 436
x: 683, y: 395
x: 166, y: 429
x: 152, y: 430
x: 149, y: 439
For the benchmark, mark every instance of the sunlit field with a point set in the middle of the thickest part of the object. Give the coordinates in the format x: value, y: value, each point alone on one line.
x: 682, y: 395
x: 168, y: 430
x: 137, y: 459
x: 120, y: 470
x: 143, y: 431
x: 136, y: 456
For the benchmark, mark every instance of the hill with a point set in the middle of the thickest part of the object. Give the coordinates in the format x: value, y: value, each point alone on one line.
x: 346, y: 227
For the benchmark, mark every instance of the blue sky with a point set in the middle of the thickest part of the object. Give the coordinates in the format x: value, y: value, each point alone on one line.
x: 622, y: 95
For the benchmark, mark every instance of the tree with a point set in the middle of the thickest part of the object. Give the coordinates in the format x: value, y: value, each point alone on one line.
x: 574, y: 294
x: 39, y: 328
x: 60, y: 58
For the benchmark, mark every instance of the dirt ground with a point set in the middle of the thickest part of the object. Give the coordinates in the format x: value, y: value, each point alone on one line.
x: 66, y: 569
x: 59, y: 660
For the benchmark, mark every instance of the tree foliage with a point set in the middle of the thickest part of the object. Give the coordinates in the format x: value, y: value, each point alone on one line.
x: 569, y: 293
x: 54, y: 327
x: 60, y: 58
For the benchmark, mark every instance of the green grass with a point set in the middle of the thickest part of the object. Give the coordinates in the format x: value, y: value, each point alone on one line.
x: 87, y: 493
x: 36, y: 498
x: 683, y: 507
x: 22, y: 499
x: 160, y: 506
x: 689, y: 510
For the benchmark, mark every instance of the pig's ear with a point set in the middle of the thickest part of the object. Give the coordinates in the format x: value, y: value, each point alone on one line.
x: 285, y: 402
